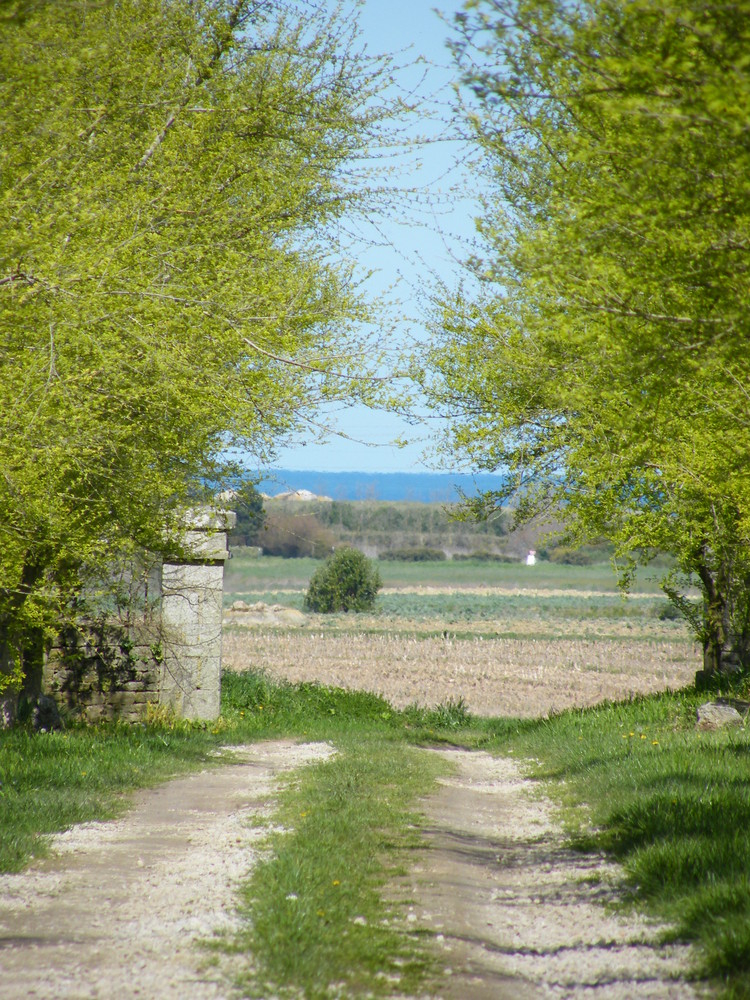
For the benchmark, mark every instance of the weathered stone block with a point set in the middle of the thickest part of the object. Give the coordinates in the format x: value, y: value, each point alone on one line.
x: 718, y: 714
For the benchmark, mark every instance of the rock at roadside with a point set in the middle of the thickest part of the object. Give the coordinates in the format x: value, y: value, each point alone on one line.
x: 718, y: 715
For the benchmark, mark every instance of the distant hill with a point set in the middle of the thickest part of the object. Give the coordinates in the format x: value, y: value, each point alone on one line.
x: 419, y: 487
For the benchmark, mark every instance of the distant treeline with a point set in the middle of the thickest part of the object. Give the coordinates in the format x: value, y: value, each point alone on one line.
x: 392, y: 530
x: 373, y: 517
x: 314, y: 528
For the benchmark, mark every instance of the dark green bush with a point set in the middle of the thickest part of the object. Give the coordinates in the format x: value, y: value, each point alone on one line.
x: 416, y: 554
x: 247, y: 504
x: 483, y: 556
x: 570, y: 557
x: 668, y: 613
x: 347, y: 581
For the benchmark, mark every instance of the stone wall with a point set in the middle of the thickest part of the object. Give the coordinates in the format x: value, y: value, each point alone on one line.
x: 168, y: 654
x: 103, y: 671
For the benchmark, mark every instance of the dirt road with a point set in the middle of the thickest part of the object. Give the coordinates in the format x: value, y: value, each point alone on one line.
x: 516, y: 915
x: 119, y: 909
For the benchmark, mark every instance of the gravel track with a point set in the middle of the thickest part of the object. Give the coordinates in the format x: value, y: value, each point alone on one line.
x: 518, y: 916
x: 119, y: 908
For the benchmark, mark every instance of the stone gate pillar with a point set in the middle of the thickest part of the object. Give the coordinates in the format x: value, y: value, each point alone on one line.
x: 191, y: 614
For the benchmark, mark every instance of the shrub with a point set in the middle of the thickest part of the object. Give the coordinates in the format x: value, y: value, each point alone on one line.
x: 416, y: 554
x: 570, y: 557
x: 668, y: 613
x: 347, y: 581
x: 482, y: 555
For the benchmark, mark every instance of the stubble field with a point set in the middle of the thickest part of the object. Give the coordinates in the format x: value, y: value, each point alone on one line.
x: 506, y: 640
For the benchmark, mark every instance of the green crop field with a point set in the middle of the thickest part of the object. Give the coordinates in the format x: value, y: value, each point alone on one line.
x: 245, y: 573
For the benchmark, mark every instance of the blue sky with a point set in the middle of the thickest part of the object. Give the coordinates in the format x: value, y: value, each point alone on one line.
x: 420, y: 244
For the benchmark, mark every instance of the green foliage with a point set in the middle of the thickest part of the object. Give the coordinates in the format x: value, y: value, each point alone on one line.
x: 480, y: 555
x: 604, y: 359
x: 295, y: 536
x: 247, y: 504
x: 347, y: 581
x: 169, y: 281
x: 451, y: 714
x: 570, y: 557
x: 246, y: 575
x: 387, y: 524
x: 420, y: 553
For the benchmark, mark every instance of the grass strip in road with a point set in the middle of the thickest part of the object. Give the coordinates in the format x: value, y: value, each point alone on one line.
x: 318, y: 924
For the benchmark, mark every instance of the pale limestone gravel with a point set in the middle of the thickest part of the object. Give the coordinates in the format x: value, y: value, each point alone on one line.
x: 119, y: 908
x: 516, y: 914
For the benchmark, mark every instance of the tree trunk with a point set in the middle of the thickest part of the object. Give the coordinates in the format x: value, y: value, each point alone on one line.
x: 719, y: 654
x: 24, y: 643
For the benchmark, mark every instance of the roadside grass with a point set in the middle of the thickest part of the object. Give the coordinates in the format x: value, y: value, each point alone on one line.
x: 49, y: 781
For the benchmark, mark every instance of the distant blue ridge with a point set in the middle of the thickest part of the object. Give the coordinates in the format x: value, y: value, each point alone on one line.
x: 419, y: 487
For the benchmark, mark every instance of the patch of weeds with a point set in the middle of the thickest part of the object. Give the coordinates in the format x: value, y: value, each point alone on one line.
x: 451, y: 714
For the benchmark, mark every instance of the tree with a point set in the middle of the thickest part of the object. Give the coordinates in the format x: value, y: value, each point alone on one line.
x: 604, y: 361
x: 247, y: 504
x: 172, y: 180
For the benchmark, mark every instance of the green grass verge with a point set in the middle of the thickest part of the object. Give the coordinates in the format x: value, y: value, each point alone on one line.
x: 49, y: 781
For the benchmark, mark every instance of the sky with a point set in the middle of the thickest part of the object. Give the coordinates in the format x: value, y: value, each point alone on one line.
x: 420, y: 246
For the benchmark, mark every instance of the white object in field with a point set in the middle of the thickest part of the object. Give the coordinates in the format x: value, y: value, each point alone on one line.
x: 531, y: 558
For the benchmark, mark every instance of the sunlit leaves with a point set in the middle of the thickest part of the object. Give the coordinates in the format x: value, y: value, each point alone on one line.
x: 170, y: 175
x: 606, y: 363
